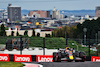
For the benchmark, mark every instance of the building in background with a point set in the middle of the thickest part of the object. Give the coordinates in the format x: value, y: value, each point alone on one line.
x: 56, y: 14
x: 97, y: 11
x: 48, y: 14
x: 30, y: 32
x: 3, y: 15
x: 61, y: 16
x: 14, y: 13
x: 39, y: 14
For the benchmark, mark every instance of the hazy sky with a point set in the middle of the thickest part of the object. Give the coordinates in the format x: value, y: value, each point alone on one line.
x: 50, y: 4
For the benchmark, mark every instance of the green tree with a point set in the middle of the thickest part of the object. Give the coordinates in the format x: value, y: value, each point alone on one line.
x: 98, y: 50
x: 38, y: 34
x: 65, y: 16
x: 12, y: 33
x: 93, y: 26
x: 33, y: 33
x: 52, y: 33
x: 17, y: 33
x: 2, y: 30
x: 61, y: 32
x: 47, y: 35
x: 25, y: 33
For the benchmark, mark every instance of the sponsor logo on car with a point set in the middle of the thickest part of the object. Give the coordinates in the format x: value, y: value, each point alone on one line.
x: 44, y: 58
x: 95, y: 59
x: 4, y: 57
x: 22, y: 58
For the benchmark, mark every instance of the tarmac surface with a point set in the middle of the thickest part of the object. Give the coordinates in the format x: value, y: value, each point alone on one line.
x: 70, y: 64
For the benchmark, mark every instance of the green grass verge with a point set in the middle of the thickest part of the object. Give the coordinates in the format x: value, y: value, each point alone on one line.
x: 11, y: 64
x: 50, y: 43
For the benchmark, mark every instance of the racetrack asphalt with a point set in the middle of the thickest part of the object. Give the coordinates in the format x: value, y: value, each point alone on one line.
x: 70, y: 64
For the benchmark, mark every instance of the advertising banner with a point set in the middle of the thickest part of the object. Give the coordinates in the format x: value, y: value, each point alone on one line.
x: 95, y: 59
x: 44, y: 58
x: 22, y: 58
x: 4, y: 57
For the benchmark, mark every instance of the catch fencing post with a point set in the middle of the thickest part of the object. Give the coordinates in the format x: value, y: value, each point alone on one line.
x: 21, y: 45
x: 43, y: 46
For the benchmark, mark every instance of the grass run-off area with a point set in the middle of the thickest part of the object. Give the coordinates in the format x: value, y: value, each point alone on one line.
x: 50, y: 43
x: 11, y: 64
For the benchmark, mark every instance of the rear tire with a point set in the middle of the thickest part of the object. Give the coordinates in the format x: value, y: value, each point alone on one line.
x: 83, y: 59
x: 54, y: 57
x: 82, y: 55
x: 59, y: 57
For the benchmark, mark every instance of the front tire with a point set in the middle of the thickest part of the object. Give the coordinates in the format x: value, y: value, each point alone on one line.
x: 56, y: 57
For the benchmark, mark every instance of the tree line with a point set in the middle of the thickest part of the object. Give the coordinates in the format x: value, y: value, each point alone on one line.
x: 68, y: 31
x: 92, y: 26
x: 2, y: 30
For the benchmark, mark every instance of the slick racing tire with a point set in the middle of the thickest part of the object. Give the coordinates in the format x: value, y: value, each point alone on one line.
x: 59, y: 57
x: 82, y: 56
x: 56, y: 57
x: 83, y: 60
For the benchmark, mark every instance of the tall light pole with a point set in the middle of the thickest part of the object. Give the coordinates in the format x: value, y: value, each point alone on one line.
x: 97, y: 42
x: 85, y: 30
x: 66, y: 36
x: 43, y: 46
x: 21, y: 46
x: 96, y: 38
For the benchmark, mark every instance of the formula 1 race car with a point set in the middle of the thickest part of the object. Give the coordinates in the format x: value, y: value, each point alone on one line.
x: 68, y: 55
